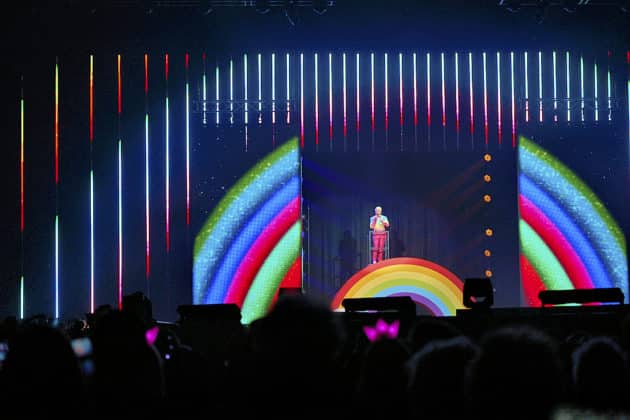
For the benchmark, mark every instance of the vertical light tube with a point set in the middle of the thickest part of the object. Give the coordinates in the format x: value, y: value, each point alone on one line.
x: 568, y: 88
x: 22, y: 222
x: 457, y: 92
x: 316, y: 101
x: 57, y: 123
x: 330, y: 99
x: 245, y: 97
x: 91, y: 131
x: 540, y: 88
x: 216, y: 94
x: 56, y: 266
x: 92, y: 241
x: 22, y: 161
x: 582, y: 88
x: 120, y: 215
x: 147, y: 193
x: 345, y: 119
x: 485, y: 98
x: 372, y: 89
x: 187, y: 141
x: 443, y: 91
x: 512, y: 98
x: 596, y: 93
x: 429, y: 93
x: 386, y: 96
x: 302, y: 99
x: 555, y: 89
x: 259, y: 88
x: 147, y: 183
x: 288, y: 92
x: 526, y: 88
x: 358, y: 98
x: 273, y: 89
x: 204, y: 90
x: 499, y: 113
x: 400, y: 88
x: 57, y: 188
x: 167, y: 161
x: 608, y: 94
x: 470, y: 87
x: 415, y: 91
x: 120, y: 226
x: 231, y: 91
x: 22, y: 297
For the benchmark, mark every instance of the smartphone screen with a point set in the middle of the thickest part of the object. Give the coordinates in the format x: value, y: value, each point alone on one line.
x: 82, y: 347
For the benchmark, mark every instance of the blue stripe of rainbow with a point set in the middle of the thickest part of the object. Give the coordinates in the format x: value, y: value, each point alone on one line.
x: 244, y: 239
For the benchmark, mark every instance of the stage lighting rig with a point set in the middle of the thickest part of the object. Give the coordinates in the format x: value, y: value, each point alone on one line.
x: 510, y: 5
x: 320, y: 6
x: 290, y: 12
x: 262, y: 6
x: 542, y: 7
x: 205, y: 6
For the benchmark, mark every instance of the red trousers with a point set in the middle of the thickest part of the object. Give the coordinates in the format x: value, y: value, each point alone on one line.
x: 378, y: 245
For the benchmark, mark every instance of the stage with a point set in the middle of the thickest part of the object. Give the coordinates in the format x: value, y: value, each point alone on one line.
x: 207, y: 176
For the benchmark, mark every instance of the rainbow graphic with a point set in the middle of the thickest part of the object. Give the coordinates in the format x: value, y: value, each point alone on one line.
x: 428, y: 284
x: 568, y: 238
x: 250, y: 244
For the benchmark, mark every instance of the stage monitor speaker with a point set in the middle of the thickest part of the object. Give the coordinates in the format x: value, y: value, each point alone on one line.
x: 362, y: 312
x: 478, y: 293
x: 404, y: 305
x: 601, y: 295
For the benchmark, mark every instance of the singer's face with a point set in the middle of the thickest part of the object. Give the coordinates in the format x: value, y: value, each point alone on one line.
x: 378, y: 211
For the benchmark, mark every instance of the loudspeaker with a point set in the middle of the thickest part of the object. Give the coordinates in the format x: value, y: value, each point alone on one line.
x: 478, y: 293
x: 402, y: 304
x: 602, y: 295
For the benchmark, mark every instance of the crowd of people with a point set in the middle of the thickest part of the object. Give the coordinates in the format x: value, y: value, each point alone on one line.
x: 303, y: 361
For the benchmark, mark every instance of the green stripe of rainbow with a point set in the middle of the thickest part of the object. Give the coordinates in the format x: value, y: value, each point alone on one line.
x: 270, y: 275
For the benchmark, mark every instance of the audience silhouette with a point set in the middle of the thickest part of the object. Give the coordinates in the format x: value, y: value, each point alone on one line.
x: 303, y: 361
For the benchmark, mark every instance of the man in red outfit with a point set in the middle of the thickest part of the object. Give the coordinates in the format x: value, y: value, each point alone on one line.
x: 378, y: 224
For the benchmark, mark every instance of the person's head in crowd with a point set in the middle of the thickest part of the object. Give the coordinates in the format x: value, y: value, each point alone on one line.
x: 127, y: 368
x: 382, y: 379
x: 298, y: 325
x: 436, y: 378
x: 293, y: 356
x: 600, y: 375
x: 8, y: 327
x: 429, y: 329
x: 140, y: 306
x: 40, y: 371
x: 515, y: 375
x: 99, y: 313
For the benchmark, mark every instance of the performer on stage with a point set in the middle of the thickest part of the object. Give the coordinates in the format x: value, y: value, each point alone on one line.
x: 378, y: 224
